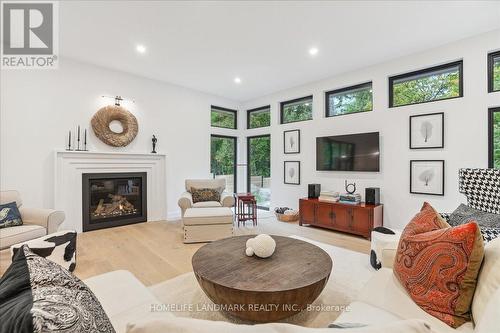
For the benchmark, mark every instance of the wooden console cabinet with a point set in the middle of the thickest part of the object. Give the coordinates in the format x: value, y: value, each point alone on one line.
x: 354, y: 219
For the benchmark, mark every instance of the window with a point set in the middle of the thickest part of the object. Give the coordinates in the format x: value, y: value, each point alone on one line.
x: 427, y: 85
x: 223, y: 160
x: 259, y: 117
x: 494, y: 138
x: 494, y: 71
x: 259, y: 169
x: 221, y: 117
x: 299, y: 109
x: 349, y: 100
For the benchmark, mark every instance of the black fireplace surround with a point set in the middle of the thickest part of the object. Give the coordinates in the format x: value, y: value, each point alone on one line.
x: 113, y: 199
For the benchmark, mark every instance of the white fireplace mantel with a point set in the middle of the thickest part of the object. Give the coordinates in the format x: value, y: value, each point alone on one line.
x: 70, y: 165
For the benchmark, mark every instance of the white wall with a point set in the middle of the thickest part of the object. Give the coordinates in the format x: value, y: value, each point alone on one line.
x: 38, y: 107
x: 465, y: 131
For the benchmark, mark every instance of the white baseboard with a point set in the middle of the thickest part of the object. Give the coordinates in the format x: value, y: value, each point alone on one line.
x: 174, y: 215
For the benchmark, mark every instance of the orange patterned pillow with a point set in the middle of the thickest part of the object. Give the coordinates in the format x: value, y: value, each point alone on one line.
x: 438, y: 265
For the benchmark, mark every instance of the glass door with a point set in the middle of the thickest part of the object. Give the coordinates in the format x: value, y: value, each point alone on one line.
x: 223, y: 159
x: 259, y: 169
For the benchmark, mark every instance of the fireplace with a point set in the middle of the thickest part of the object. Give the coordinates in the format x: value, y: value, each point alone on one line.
x: 113, y: 199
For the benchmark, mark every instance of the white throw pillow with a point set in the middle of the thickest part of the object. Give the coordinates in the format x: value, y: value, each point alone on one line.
x: 185, y: 325
x: 488, y: 281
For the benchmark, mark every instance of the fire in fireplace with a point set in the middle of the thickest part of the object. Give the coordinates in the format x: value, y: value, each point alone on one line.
x: 113, y: 199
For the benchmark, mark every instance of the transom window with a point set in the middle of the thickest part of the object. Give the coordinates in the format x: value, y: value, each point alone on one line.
x: 494, y: 71
x: 259, y: 117
x: 299, y: 109
x: 427, y: 85
x: 222, y: 117
x: 348, y: 100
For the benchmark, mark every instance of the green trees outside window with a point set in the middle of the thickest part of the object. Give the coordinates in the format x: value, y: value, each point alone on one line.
x: 349, y: 100
x: 260, y: 117
x: 223, y: 160
x: 494, y: 137
x: 436, y: 83
x: 259, y: 169
x: 496, y: 140
x: 222, y: 117
x: 296, y: 110
x: 494, y: 72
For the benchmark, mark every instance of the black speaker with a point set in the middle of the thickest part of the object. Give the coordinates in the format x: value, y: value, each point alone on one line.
x: 372, y: 195
x: 313, y: 191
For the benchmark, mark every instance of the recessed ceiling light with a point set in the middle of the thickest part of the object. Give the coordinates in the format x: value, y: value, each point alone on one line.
x: 313, y: 51
x: 237, y: 80
x: 140, y: 48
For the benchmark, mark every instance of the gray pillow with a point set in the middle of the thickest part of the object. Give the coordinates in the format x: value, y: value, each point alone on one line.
x: 464, y: 214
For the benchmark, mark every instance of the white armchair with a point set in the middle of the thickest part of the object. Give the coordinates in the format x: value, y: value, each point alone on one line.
x: 186, y: 200
x: 37, y: 222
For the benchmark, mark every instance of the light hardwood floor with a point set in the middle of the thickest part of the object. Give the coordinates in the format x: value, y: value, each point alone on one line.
x: 154, y: 251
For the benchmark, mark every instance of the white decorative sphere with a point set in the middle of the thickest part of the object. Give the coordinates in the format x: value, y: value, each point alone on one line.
x: 250, y: 242
x: 263, y: 246
x: 249, y: 251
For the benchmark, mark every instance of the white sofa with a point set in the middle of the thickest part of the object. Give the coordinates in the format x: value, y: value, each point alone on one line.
x: 37, y: 222
x: 186, y: 200
x: 384, y: 299
x: 381, y: 302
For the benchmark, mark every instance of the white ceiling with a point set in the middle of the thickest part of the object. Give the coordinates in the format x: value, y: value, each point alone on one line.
x: 205, y: 45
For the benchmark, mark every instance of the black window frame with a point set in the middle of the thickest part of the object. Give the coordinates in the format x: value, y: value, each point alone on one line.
x: 235, y: 112
x: 491, y: 57
x: 491, y: 112
x: 266, y: 107
x: 282, y: 104
x: 235, y: 159
x: 459, y: 63
x: 341, y: 90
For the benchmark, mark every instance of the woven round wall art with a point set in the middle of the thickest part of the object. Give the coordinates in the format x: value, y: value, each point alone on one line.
x: 101, y: 120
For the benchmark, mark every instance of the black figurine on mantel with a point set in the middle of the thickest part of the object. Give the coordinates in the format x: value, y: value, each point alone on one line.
x: 154, y: 140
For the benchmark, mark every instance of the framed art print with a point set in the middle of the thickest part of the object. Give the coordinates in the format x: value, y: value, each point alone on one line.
x: 292, y: 172
x: 427, y: 131
x: 427, y: 177
x: 291, y: 142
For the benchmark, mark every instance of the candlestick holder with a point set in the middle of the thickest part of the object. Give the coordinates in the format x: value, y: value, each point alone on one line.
x: 85, y: 141
x: 69, y: 142
x: 78, y: 140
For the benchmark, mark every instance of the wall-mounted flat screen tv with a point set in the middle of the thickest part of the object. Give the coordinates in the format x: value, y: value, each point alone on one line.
x: 354, y: 152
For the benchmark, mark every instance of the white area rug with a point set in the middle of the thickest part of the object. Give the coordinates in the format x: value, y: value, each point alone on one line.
x: 351, y: 270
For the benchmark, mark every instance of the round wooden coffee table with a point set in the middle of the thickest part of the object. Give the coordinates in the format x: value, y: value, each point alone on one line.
x: 262, y: 290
